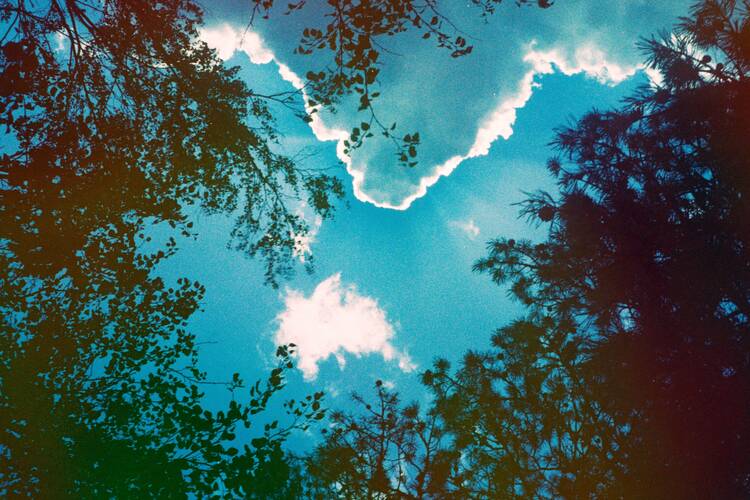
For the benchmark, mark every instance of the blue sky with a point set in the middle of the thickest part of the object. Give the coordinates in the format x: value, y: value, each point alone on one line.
x: 392, y: 287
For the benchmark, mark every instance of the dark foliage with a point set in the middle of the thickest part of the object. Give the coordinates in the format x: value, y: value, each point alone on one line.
x: 123, y: 127
x: 645, y: 279
x: 389, y: 450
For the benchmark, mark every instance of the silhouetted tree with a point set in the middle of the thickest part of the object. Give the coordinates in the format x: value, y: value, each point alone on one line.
x: 383, y: 450
x: 645, y: 280
x: 117, y: 119
x: 119, y: 109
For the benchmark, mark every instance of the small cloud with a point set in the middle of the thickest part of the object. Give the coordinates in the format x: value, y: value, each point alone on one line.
x: 332, y: 390
x: 226, y: 40
x: 60, y: 42
x: 468, y: 227
x: 303, y: 242
x: 334, y: 321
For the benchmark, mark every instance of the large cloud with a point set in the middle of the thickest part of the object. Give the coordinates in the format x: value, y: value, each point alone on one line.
x: 334, y: 321
x: 461, y: 107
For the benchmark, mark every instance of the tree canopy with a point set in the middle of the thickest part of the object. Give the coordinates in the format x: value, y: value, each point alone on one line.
x: 626, y: 377
x: 119, y: 119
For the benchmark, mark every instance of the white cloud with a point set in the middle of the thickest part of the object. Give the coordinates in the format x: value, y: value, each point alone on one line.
x: 334, y: 321
x: 586, y: 58
x: 61, y: 42
x: 226, y: 41
x: 466, y: 226
x: 499, y: 122
x: 303, y: 242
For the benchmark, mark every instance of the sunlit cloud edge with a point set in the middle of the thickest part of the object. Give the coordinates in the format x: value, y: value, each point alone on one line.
x: 498, y: 123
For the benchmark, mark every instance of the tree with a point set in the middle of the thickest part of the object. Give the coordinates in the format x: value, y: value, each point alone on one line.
x: 130, y: 113
x: 383, y: 450
x: 123, y: 126
x: 645, y: 280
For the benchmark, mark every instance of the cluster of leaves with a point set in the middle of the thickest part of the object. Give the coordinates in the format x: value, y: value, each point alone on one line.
x: 112, y: 407
x: 117, y: 119
x: 628, y: 376
x: 120, y: 103
x: 355, y: 35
